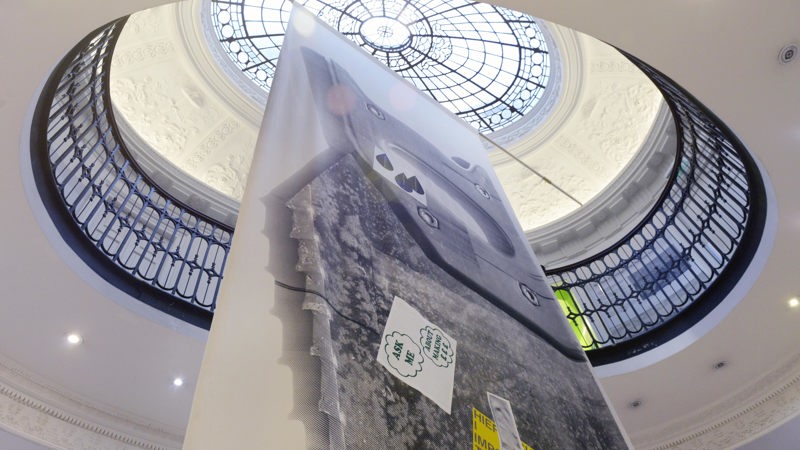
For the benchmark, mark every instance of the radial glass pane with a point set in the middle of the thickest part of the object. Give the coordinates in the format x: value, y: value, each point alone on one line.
x: 487, y: 64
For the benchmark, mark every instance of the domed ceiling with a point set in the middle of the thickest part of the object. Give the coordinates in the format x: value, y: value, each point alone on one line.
x: 488, y: 65
x: 587, y: 116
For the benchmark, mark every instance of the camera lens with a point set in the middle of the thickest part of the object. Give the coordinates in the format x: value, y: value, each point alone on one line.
x: 528, y: 294
x: 427, y: 217
x: 375, y: 111
x: 483, y: 191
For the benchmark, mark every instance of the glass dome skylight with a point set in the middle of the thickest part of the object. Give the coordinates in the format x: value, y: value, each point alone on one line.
x: 487, y: 64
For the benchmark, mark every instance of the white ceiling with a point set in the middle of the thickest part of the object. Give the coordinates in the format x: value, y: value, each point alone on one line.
x: 10, y: 440
x: 725, y: 53
x: 127, y: 361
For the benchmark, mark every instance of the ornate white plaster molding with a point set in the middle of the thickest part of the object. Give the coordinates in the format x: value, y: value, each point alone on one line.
x: 211, y: 61
x: 191, y: 132
x: 752, y: 412
x: 43, y: 413
x: 186, y: 189
x: 158, y: 50
x: 613, y: 212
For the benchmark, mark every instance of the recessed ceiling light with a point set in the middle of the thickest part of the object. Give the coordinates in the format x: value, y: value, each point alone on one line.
x: 720, y: 365
x: 178, y: 382
x: 74, y: 339
x: 788, y: 53
x: 635, y: 404
x: 794, y: 302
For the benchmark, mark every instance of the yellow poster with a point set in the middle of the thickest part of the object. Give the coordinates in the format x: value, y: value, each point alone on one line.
x: 484, y: 433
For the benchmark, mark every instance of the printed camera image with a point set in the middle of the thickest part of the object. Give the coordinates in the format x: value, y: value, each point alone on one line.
x: 356, y: 256
x: 371, y: 211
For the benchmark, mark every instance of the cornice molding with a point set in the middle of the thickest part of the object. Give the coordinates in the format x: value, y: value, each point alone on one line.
x: 185, y: 188
x: 610, y: 142
x: 40, y: 412
x: 213, y: 64
x: 742, y: 417
x: 615, y: 210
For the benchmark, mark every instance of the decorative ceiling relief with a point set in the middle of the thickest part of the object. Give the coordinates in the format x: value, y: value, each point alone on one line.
x: 151, y: 51
x: 212, y: 142
x: 171, y: 113
x: 32, y: 408
x: 146, y: 23
x: 622, y: 114
x: 606, y: 126
x: 587, y: 156
x: 749, y: 413
x: 225, y: 171
x: 534, y: 201
x: 163, y: 116
x: 230, y: 175
x: 612, y: 66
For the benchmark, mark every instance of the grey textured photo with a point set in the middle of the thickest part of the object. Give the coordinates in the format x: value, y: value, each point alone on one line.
x: 356, y: 256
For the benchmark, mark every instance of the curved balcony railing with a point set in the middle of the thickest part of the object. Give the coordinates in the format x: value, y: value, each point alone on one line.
x: 112, y: 215
x: 684, y: 257
x: 663, y: 277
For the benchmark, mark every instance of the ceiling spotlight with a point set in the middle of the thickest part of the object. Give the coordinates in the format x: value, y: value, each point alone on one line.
x: 720, y: 365
x: 794, y: 302
x: 74, y: 339
x: 788, y: 53
x: 177, y: 382
x: 635, y: 404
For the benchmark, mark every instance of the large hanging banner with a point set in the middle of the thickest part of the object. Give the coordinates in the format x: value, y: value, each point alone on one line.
x: 414, y: 313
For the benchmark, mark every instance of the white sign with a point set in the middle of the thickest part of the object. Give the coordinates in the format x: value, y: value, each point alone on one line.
x: 504, y: 421
x: 419, y: 353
